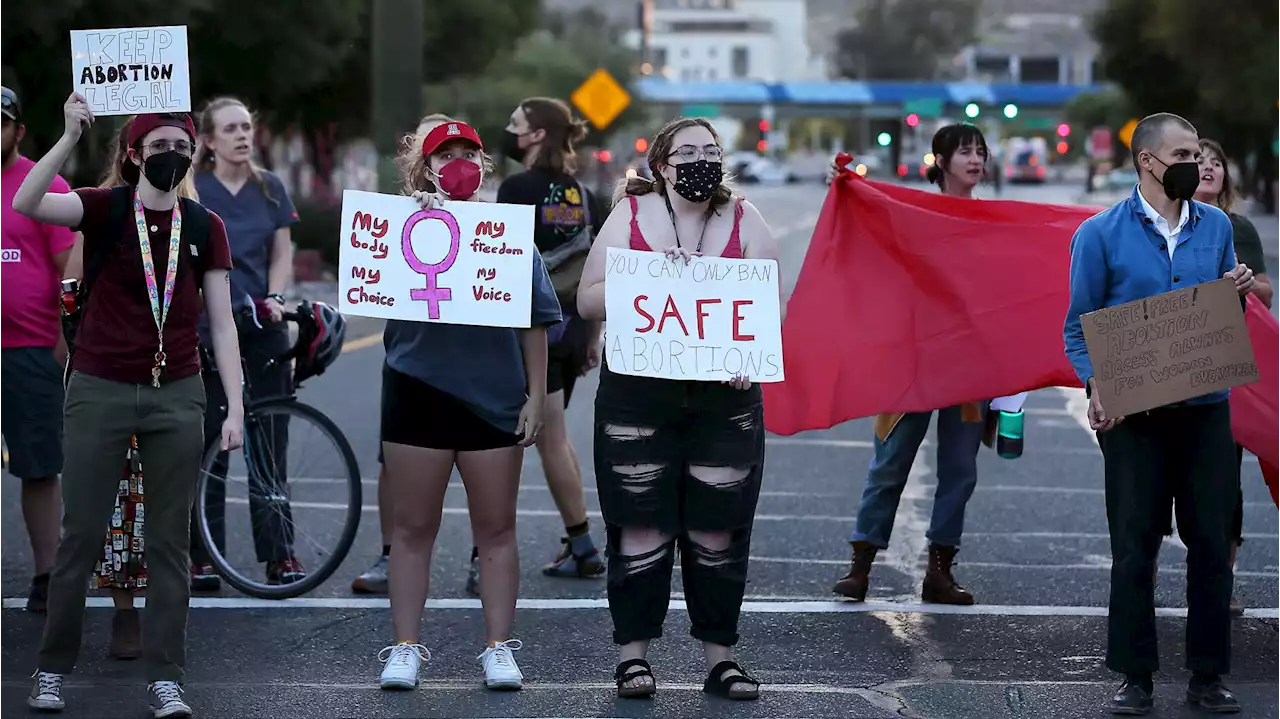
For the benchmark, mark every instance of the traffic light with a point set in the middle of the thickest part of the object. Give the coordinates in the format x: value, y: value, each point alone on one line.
x: 1011, y: 111
x: 1063, y: 147
x: 913, y: 120
x: 762, y: 146
x: 764, y: 126
x: 883, y: 139
x: 604, y: 155
x: 642, y: 145
x: 1064, y: 130
x: 971, y: 110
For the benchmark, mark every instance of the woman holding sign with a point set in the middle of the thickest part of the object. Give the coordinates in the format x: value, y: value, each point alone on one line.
x: 136, y: 372
x: 678, y: 461
x: 464, y: 396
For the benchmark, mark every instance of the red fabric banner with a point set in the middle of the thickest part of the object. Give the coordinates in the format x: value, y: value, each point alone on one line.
x: 910, y: 301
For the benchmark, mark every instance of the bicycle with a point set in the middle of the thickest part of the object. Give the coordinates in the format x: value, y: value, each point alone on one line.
x: 269, y: 425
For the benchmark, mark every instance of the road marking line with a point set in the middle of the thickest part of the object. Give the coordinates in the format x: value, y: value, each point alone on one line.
x: 1103, y: 564
x: 361, y: 343
x: 800, y: 605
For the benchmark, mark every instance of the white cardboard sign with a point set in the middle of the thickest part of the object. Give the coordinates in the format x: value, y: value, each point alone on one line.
x: 132, y: 70
x: 466, y: 263
x: 708, y: 320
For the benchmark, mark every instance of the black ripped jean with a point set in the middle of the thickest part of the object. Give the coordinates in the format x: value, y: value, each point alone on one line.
x: 679, y: 459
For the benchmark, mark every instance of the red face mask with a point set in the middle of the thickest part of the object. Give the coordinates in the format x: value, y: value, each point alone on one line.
x: 459, y: 179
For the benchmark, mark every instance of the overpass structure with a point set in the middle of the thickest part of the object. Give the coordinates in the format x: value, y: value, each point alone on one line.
x: 851, y: 98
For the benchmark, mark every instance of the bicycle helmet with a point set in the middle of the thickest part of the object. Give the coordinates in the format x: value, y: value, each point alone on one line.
x: 321, y: 331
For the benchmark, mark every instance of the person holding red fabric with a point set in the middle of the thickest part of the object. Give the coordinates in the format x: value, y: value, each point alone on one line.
x: 960, y: 153
x: 1157, y: 240
x: 135, y: 372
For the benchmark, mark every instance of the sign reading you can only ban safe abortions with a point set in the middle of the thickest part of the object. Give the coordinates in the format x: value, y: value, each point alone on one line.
x: 711, y: 319
x: 1169, y: 348
x: 128, y: 71
x: 465, y: 263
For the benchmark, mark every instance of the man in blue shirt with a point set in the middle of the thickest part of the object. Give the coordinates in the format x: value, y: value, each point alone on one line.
x: 1159, y: 240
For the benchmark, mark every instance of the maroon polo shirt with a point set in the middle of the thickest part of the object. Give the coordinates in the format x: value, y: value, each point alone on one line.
x: 117, y: 339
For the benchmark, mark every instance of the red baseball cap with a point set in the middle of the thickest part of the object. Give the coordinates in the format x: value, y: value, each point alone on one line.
x: 143, y: 124
x: 447, y: 131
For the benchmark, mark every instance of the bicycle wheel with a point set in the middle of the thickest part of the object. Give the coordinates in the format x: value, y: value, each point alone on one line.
x: 309, y: 516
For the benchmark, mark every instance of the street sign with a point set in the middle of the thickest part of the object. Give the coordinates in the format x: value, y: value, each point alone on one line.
x: 926, y: 107
x: 1126, y: 132
x: 700, y: 111
x: 601, y: 99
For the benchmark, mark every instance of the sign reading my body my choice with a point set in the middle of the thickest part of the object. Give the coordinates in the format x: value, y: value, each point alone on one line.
x: 1169, y: 348
x: 708, y: 320
x: 466, y: 263
x: 130, y: 71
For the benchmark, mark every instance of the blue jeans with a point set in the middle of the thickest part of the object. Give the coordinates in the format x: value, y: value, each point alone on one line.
x: 957, y: 461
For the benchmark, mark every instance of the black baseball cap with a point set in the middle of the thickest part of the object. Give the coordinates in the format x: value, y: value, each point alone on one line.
x: 9, y: 104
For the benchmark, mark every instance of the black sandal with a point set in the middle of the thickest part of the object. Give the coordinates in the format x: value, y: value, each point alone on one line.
x: 621, y: 676
x: 724, y: 686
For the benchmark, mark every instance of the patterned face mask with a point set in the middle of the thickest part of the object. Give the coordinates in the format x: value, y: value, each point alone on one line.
x: 695, y: 181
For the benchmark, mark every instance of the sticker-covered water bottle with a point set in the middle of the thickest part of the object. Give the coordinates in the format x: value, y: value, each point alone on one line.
x: 1009, y: 434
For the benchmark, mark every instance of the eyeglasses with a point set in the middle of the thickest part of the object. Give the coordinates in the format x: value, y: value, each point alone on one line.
x: 182, y: 147
x: 689, y: 153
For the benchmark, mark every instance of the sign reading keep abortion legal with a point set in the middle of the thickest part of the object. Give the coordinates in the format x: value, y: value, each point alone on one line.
x: 465, y: 263
x: 130, y: 71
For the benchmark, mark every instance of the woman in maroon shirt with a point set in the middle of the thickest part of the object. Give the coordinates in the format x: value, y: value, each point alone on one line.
x: 135, y: 372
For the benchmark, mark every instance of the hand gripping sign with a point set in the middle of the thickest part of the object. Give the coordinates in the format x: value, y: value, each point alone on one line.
x: 467, y: 263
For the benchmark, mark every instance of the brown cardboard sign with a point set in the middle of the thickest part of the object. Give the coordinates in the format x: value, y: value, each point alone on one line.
x: 1169, y: 348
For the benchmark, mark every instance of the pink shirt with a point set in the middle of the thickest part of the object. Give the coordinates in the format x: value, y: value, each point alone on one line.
x: 29, y: 280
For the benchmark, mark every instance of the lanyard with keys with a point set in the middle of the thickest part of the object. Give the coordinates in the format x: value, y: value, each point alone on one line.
x: 159, y: 307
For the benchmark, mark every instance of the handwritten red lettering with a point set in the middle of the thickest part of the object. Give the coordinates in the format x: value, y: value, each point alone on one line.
x: 489, y: 293
x: 701, y: 314
x: 503, y: 249
x: 670, y: 310
x: 380, y: 249
x: 365, y: 221
x: 646, y: 315
x: 491, y: 229
x: 357, y: 295
x: 486, y: 273
x: 737, y: 319
x: 370, y: 277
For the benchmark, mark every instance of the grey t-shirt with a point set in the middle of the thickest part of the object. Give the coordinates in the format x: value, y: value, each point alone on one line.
x: 481, y: 366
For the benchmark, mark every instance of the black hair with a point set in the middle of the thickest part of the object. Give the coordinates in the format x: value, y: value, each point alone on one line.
x: 946, y: 141
x: 1148, y: 134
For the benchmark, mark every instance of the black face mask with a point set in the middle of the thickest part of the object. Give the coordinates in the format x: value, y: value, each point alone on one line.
x: 1180, y: 179
x: 695, y: 181
x: 511, y: 146
x: 166, y: 169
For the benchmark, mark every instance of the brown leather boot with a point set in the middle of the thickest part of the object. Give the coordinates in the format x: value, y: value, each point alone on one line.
x: 939, y: 586
x: 854, y: 584
x: 126, y: 635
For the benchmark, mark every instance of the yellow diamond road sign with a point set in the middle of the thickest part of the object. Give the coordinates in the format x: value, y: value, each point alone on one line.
x: 600, y: 98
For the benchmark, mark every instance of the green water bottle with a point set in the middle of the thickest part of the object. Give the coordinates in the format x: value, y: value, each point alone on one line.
x: 1009, y: 434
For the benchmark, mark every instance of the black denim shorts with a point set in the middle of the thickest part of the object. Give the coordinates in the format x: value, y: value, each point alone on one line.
x: 665, y: 427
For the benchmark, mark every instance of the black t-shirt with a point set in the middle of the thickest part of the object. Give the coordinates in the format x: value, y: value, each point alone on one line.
x: 1248, y: 246
x: 562, y: 205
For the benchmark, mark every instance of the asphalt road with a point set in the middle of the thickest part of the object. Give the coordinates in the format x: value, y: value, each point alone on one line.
x: 1036, y: 556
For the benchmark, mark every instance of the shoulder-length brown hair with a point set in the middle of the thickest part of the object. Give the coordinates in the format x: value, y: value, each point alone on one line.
x: 558, y: 151
x: 121, y: 170
x: 658, y: 156
x: 1226, y: 199
x: 204, y: 158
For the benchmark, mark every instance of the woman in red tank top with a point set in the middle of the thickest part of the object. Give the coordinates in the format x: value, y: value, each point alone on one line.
x: 678, y: 461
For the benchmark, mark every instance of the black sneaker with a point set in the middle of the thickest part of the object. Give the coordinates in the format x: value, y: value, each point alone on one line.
x: 204, y: 578
x: 1134, y: 697
x: 38, y: 595
x: 285, y: 571
x: 1209, y: 693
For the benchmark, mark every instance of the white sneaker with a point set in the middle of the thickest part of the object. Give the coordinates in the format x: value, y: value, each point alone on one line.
x: 400, y: 664
x: 46, y: 692
x: 500, y: 670
x: 166, y: 700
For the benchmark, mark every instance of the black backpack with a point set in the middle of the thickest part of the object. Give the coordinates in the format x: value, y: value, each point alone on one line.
x: 195, y: 234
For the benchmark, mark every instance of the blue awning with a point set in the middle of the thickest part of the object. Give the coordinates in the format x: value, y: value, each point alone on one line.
x: 854, y: 93
x: 1040, y: 94
x: 837, y: 92
x: 656, y: 89
x: 896, y: 93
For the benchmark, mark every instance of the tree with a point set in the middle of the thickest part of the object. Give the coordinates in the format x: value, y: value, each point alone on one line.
x: 905, y: 39
x: 1214, y: 66
x: 1108, y: 108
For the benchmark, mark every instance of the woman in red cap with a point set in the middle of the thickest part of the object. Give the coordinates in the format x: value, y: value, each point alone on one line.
x: 135, y: 372
x: 464, y: 396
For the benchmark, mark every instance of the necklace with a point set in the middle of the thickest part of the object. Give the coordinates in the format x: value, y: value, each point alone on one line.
x: 706, y: 220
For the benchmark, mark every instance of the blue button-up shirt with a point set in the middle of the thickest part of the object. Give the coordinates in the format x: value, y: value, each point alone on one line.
x: 1117, y: 256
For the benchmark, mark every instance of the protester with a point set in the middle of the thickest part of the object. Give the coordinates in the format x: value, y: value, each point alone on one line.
x: 1217, y: 189
x: 678, y: 461
x: 127, y: 382
x: 1155, y: 241
x: 31, y: 351
x: 486, y: 388
x: 256, y: 209
x: 960, y: 153
x: 543, y: 136
x: 374, y: 579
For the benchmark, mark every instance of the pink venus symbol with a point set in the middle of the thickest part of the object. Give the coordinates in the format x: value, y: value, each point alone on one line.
x: 433, y: 293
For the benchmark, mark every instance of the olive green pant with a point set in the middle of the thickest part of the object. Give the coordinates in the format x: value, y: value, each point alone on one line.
x: 99, y: 419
